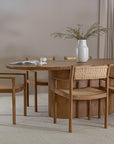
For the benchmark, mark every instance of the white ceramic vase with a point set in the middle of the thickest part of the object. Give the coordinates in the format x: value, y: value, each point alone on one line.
x: 82, y: 51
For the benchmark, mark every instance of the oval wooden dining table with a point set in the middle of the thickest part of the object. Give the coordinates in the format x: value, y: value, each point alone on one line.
x: 61, y: 69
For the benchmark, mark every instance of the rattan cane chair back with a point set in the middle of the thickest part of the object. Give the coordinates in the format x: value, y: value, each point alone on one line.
x: 90, y: 72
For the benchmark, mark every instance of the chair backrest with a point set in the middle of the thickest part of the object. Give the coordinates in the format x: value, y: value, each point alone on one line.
x: 74, y: 58
x: 112, y: 70
x: 89, y: 72
x: 49, y: 58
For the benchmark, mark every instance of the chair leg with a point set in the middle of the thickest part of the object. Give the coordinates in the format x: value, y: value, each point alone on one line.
x: 27, y: 95
x: 89, y: 103
x: 77, y: 109
x: 35, y: 89
x: 27, y: 89
x: 106, y: 113
x: 55, y: 109
x: 25, y: 102
x: 89, y: 110
x: 99, y: 108
x: 13, y: 104
x: 70, y: 116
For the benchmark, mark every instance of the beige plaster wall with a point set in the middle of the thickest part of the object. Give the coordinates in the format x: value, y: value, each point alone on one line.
x: 26, y: 25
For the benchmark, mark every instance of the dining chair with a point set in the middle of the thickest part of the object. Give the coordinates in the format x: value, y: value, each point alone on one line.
x: 13, y: 88
x: 102, y: 83
x: 35, y: 82
x: 83, y: 94
x: 77, y: 83
x: 73, y: 58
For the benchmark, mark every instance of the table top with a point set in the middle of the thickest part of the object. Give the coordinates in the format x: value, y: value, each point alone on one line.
x: 61, y: 64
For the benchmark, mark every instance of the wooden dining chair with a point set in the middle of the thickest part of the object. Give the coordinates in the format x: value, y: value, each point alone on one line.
x: 77, y: 83
x: 73, y: 58
x: 35, y: 82
x: 13, y: 88
x: 83, y: 94
x: 111, y: 81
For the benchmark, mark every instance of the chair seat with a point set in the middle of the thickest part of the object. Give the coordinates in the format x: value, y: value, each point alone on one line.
x: 82, y: 94
x: 8, y: 87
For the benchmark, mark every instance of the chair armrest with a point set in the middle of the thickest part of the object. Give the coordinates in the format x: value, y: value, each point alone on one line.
x: 12, y: 73
x: 12, y: 78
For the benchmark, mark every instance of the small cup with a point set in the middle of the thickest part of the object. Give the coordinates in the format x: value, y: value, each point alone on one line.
x: 43, y: 59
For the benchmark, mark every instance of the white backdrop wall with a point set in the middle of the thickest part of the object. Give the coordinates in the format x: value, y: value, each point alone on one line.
x: 26, y: 25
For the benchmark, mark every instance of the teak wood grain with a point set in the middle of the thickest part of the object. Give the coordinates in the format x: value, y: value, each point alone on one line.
x: 61, y: 64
